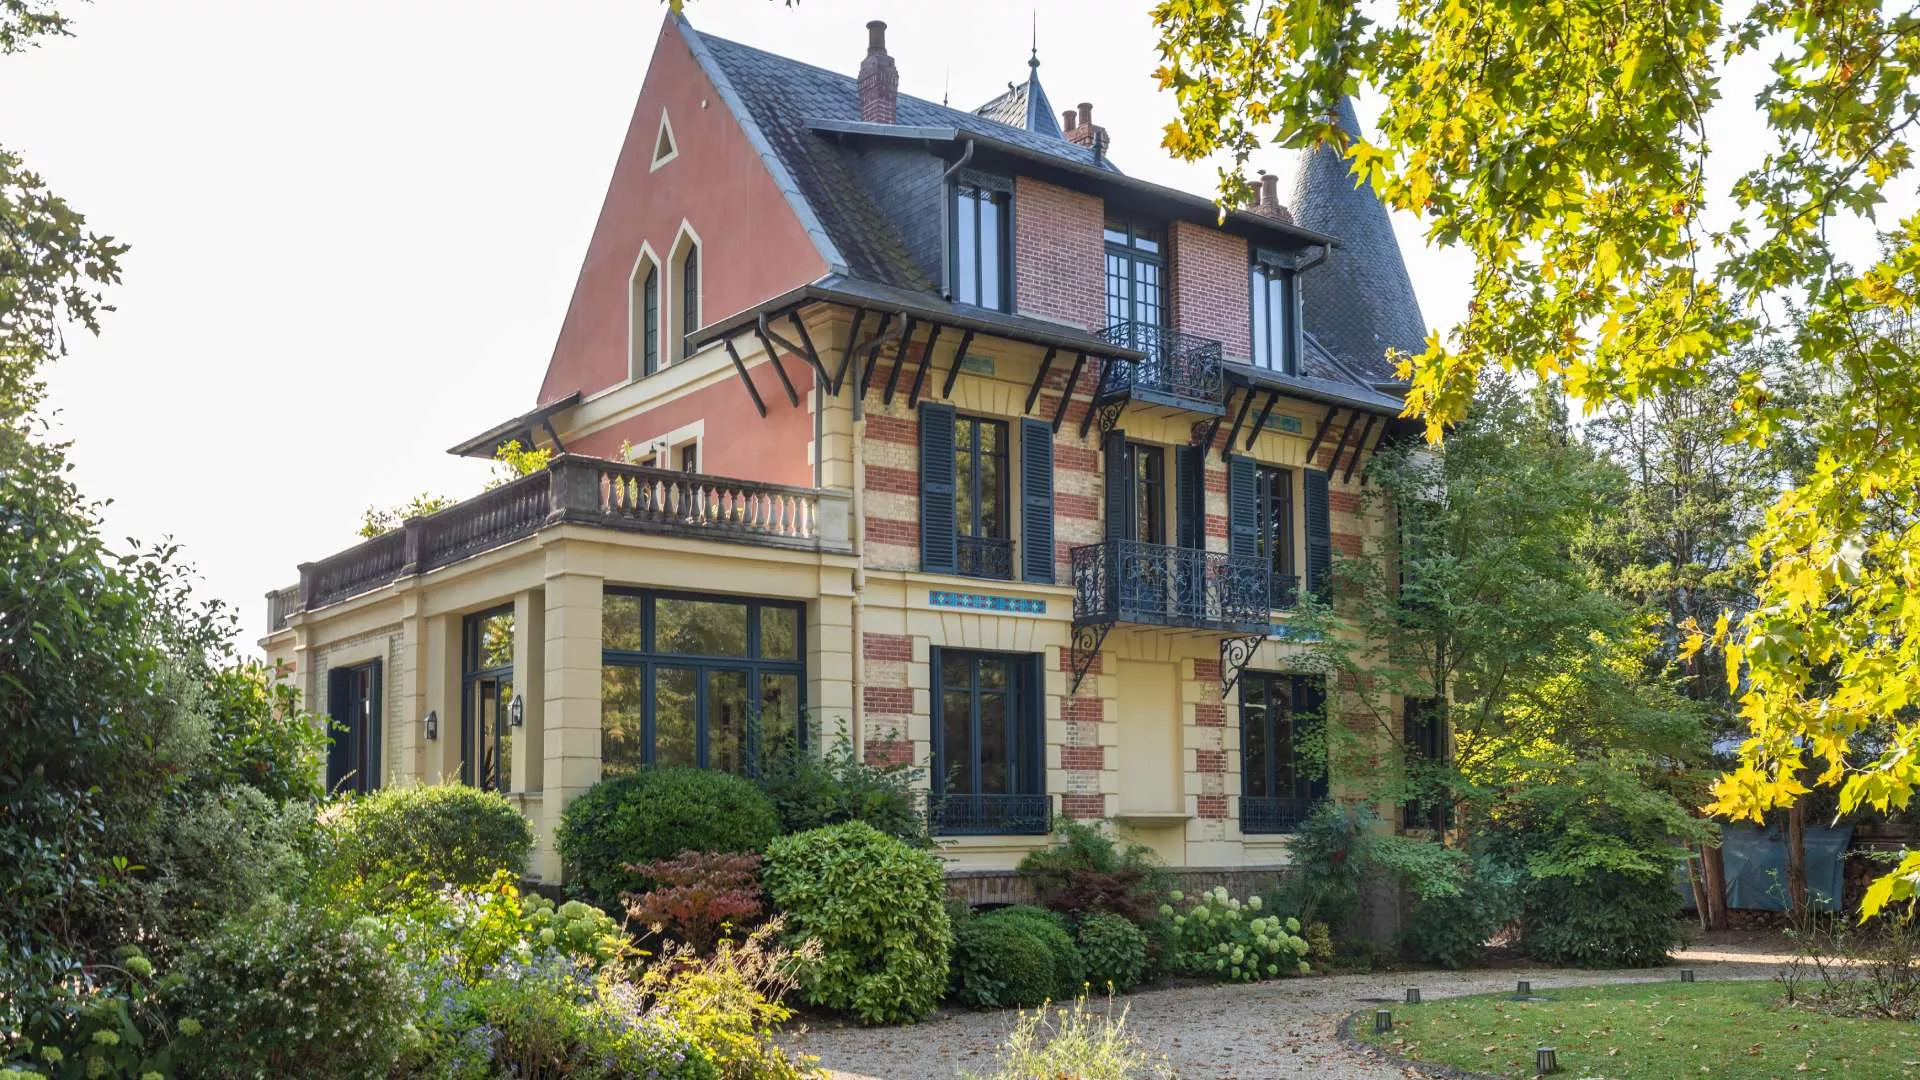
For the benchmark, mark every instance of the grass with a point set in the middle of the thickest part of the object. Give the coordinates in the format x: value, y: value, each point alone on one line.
x: 1659, y: 1030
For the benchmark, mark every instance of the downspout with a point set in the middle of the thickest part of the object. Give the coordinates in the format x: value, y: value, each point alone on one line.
x: 946, y: 224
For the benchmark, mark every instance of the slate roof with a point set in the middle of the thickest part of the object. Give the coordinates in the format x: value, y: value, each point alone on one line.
x: 781, y: 95
x: 1360, y: 301
x: 1025, y: 105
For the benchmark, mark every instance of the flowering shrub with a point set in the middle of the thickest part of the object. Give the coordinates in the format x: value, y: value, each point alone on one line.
x: 730, y: 1002
x: 448, y: 834
x: 118, y: 1029
x: 698, y: 897
x: 573, y: 929
x: 875, y: 906
x: 1221, y: 937
x: 1115, y: 951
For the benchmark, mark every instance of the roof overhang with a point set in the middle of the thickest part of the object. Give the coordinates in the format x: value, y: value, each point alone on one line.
x: 1092, y: 178
x: 1310, y: 388
x: 519, y: 429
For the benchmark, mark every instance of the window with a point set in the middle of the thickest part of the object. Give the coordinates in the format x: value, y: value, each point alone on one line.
x: 665, y: 148
x: 646, y: 328
x: 486, y: 739
x: 1271, y: 288
x: 693, y: 680
x: 1283, y: 771
x: 690, y: 457
x: 1424, y: 723
x: 981, y: 508
x: 1136, y: 274
x: 353, y: 706
x: 982, y: 246
x: 1148, y: 466
x: 988, y: 761
x: 689, y: 298
x: 1274, y: 537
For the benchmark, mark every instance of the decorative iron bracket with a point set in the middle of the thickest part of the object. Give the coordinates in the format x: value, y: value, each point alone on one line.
x: 1087, y: 639
x: 1109, y: 413
x: 1235, y: 654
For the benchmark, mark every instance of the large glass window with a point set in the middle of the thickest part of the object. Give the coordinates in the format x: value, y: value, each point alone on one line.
x: 1136, y: 274
x: 1283, y: 770
x: 1271, y: 288
x: 1425, y: 731
x: 1274, y: 538
x: 486, y: 737
x: 988, y: 761
x: 980, y: 491
x: 982, y: 246
x: 697, y: 680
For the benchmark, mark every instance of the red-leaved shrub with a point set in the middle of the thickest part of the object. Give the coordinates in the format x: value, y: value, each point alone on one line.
x: 698, y: 897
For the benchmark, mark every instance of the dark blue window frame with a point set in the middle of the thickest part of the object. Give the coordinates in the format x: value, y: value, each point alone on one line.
x: 1023, y: 808
x: 1276, y: 792
x: 648, y: 660
x: 477, y: 769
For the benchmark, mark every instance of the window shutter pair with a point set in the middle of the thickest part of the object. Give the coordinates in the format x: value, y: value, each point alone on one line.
x: 939, y: 530
x: 1190, y: 498
x: 1319, y: 534
x: 1244, y: 524
x: 1119, y: 486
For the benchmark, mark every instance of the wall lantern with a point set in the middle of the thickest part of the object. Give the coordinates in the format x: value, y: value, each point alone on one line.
x: 433, y: 725
x: 517, y: 711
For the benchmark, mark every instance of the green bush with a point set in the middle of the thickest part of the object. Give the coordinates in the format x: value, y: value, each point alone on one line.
x: 1085, y: 870
x: 1602, y: 920
x: 1115, y: 952
x: 299, y: 991
x: 210, y: 856
x: 1331, y: 852
x: 447, y: 834
x: 1050, y: 929
x: 810, y: 791
x: 1220, y: 937
x: 1455, y: 913
x: 656, y: 814
x: 874, y: 904
x: 1000, y: 964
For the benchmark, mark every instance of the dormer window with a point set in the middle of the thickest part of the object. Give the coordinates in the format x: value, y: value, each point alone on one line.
x: 1276, y: 341
x: 982, y: 244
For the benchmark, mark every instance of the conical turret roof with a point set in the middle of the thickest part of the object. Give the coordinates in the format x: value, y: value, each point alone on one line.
x: 1360, y: 302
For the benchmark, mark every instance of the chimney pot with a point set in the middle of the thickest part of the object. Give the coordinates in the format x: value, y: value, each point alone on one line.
x: 879, y: 83
x: 1086, y: 114
x: 1066, y: 120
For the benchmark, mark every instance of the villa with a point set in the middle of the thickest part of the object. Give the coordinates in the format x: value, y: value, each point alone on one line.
x: 925, y: 425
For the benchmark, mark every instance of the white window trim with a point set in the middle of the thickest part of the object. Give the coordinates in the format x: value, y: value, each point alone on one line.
x: 674, y: 313
x: 635, y: 360
x: 666, y: 128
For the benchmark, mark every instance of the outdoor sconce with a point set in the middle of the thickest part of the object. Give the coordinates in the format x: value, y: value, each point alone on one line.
x: 1382, y: 1021
x: 1413, y: 995
x: 517, y: 711
x: 1544, y: 1062
x: 433, y: 725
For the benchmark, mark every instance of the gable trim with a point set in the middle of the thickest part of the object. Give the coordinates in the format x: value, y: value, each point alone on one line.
x: 782, y: 179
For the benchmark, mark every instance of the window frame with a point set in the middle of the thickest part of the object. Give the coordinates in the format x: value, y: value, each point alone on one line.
x: 966, y: 526
x: 1265, y: 270
x: 650, y: 320
x: 471, y: 675
x: 1147, y: 468
x: 648, y: 659
x: 998, y: 194
x: 1306, y: 792
x: 1268, y: 479
x: 1130, y: 251
x: 1025, y: 735
x: 689, y: 297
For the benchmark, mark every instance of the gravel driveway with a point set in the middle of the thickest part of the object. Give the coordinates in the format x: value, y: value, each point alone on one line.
x: 1273, y: 1029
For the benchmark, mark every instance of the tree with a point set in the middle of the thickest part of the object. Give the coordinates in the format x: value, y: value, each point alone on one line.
x: 1565, y: 146
x: 511, y: 461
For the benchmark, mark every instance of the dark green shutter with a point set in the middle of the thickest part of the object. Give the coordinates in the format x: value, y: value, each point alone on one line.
x: 1119, y: 486
x: 1319, y: 538
x: 1036, y: 500
x: 1190, y: 498
x: 938, y: 536
x: 1243, y: 508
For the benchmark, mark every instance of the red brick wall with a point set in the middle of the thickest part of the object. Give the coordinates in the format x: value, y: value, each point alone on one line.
x: 1210, y: 286
x: 1060, y: 263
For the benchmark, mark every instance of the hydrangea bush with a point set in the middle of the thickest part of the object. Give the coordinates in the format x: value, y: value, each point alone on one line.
x: 1218, y: 936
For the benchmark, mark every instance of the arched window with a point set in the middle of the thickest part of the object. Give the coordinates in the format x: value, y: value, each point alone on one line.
x: 689, y: 298
x: 643, y: 317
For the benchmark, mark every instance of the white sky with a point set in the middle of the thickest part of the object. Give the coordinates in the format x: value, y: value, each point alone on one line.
x: 356, y: 224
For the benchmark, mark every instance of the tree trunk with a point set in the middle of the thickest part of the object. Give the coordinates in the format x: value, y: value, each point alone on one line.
x: 1716, y: 874
x: 1696, y: 877
x: 1797, y: 864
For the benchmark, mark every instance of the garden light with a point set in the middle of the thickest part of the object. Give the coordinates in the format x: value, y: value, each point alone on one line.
x: 1544, y: 1061
x: 1413, y: 995
x: 1382, y: 1021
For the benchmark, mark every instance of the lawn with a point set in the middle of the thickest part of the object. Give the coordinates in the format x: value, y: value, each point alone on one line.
x: 1646, y: 1031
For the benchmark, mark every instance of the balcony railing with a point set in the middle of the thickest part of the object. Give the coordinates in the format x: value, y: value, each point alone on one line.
x: 986, y: 557
x: 1273, y: 815
x: 1182, y: 370
x: 1285, y: 591
x: 990, y: 815
x: 1158, y: 585
x: 579, y: 491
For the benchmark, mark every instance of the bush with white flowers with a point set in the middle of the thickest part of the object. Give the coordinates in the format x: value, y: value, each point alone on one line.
x: 1219, y: 937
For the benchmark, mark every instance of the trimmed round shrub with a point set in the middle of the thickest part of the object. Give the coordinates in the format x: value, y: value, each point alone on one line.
x: 449, y: 834
x: 875, y: 905
x: 1001, y: 964
x: 1050, y: 930
x: 1115, y: 952
x: 300, y: 991
x: 656, y: 814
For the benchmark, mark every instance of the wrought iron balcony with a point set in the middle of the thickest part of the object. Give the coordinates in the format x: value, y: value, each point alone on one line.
x: 1127, y: 581
x: 1273, y: 815
x: 1180, y: 370
x: 990, y: 815
x: 985, y: 557
x: 1285, y: 591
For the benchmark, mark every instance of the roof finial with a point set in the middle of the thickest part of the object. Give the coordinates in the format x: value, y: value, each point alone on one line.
x: 946, y: 84
x: 1033, y: 60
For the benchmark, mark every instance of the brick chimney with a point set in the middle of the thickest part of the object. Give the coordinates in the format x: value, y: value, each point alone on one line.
x: 1066, y: 120
x: 1082, y: 131
x: 879, y: 79
x: 1268, y: 203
